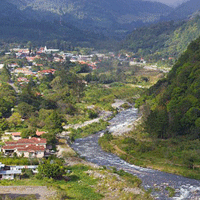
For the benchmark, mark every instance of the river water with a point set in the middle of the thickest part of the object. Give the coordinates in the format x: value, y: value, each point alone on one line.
x: 89, y: 149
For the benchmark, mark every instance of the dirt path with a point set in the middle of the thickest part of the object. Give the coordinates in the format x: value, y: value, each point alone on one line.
x: 41, y: 192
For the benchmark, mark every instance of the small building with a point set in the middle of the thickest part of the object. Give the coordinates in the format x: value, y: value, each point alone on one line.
x: 32, y: 147
x: 10, y: 172
x: 16, y: 136
x: 39, y: 133
x: 7, y: 173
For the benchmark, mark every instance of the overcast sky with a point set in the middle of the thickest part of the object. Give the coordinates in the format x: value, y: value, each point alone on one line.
x: 170, y: 2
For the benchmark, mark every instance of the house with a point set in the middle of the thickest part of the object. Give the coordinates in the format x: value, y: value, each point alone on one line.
x: 6, y: 173
x: 32, y: 147
x: 10, y: 172
x: 22, y: 79
x: 23, y: 71
x: 50, y: 50
x: 47, y: 71
x: 39, y: 133
x: 16, y: 136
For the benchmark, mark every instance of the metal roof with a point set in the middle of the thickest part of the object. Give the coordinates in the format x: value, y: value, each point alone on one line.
x: 9, y: 172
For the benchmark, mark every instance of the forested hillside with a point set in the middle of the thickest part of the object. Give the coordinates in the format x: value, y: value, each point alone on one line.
x: 17, y: 25
x: 163, y: 40
x: 184, y: 10
x: 173, y: 104
x: 112, y: 18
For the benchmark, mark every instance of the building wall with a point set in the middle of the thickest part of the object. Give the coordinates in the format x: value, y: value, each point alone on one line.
x: 39, y: 154
x: 8, y: 176
x: 16, y: 137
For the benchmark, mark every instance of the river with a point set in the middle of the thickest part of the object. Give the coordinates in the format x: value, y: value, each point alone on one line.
x: 89, y: 149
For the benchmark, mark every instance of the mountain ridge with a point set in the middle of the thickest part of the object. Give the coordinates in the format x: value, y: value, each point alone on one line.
x: 164, y: 39
x: 107, y: 17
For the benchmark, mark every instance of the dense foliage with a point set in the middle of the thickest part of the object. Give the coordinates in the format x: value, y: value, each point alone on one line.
x: 18, y: 25
x: 51, y: 170
x: 173, y: 103
x: 109, y: 17
x: 163, y: 40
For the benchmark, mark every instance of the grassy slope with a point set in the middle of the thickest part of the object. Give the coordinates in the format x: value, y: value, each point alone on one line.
x: 172, y: 155
x: 88, y: 183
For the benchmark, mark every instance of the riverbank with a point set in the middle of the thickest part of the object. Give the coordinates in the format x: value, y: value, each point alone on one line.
x: 176, y: 156
x: 159, y: 182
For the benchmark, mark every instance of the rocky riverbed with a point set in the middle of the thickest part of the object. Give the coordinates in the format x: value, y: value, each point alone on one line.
x: 158, y: 181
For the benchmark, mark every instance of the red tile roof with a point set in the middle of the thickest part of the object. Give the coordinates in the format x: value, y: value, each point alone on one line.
x: 12, y: 147
x: 27, y: 141
x: 16, y: 134
x: 29, y: 148
x: 47, y: 71
x: 39, y: 133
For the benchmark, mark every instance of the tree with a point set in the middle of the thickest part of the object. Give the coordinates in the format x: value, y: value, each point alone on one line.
x: 5, y: 74
x: 53, y: 122
x: 25, y: 110
x: 95, y: 58
x: 15, y: 120
x: 78, y: 88
x: 29, y: 45
x: 51, y: 170
x: 26, y: 133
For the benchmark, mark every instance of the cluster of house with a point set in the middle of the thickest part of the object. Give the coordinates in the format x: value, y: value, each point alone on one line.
x: 56, y: 56
x: 31, y: 148
x: 10, y: 172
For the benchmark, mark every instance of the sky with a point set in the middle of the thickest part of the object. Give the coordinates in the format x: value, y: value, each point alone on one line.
x: 171, y: 2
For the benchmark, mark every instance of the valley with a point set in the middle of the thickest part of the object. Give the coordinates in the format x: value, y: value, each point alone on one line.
x: 99, y: 100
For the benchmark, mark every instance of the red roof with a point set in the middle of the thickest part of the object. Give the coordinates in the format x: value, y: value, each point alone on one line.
x: 12, y: 147
x: 47, y: 71
x: 39, y: 133
x: 16, y: 134
x: 28, y: 141
x: 29, y: 148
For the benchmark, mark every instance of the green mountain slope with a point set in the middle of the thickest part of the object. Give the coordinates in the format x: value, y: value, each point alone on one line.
x: 174, y: 103
x: 163, y: 40
x: 18, y: 25
x: 106, y: 16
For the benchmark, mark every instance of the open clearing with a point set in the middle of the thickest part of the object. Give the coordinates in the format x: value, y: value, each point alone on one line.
x: 41, y: 192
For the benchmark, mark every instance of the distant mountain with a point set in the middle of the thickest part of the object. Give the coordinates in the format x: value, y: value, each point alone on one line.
x: 184, y: 10
x: 164, y: 39
x: 24, y: 25
x: 110, y: 17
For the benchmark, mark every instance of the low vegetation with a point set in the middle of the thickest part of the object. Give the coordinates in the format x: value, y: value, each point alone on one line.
x: 177, y: 155
x: 88, y: 130
x: 84, y: 182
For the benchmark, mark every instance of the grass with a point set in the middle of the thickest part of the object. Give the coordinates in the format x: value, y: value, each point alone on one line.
x: 103, y: 97
x: 86, y: 183
x: 79, y: 186
x: 88, y: 130
x: 171, y: 191
x: 18, y: 161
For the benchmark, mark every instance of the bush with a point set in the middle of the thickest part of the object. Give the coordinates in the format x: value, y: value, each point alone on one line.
x: 27, y: 173
x: 51, y: 170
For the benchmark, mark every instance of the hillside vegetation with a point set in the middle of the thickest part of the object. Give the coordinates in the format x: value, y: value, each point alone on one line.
x: 167, y: 136
x: 174, y: 102
x: 18, y: 25
x: 112, y: 18
x: 184, y: 10
x: 163, y: 40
